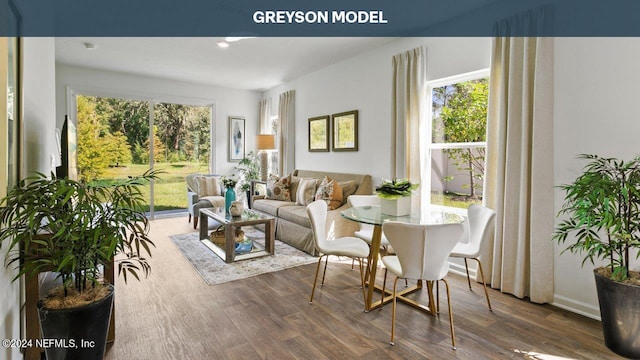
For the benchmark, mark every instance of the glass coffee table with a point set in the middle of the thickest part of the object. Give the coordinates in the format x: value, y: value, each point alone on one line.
x: 227, y: 252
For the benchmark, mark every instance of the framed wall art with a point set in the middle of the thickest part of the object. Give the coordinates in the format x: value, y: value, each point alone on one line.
x: 345, y: 131
x: 319, y: 134
x: 237, y: 138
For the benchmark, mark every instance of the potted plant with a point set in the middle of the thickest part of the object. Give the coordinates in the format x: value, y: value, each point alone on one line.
x: 395, y: 196
x: 601, y: 211
x: 73, y: 229
x: 229, y: 184
x: 248, y: 169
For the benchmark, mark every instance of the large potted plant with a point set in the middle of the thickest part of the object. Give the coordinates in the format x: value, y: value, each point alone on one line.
x: 601, y: 211
x: 74, y: 229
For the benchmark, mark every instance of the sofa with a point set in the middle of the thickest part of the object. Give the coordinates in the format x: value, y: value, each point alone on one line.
x: 292, y: 223
x: 203, y: 191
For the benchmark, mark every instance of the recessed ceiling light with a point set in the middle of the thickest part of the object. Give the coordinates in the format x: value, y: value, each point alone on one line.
x: 222, y: 44
x: 90, y: 46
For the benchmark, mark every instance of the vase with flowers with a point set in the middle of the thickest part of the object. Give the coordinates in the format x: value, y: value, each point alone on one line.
x: 229, y: 184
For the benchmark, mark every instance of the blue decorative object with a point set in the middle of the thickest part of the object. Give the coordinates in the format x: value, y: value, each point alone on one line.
x: 229, y: 197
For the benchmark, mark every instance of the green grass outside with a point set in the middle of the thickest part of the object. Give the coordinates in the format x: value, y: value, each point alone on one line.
x: 453, y: 200
x: 170, y: 189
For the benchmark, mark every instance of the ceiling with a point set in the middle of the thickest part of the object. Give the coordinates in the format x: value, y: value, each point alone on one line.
x: 249, y: 64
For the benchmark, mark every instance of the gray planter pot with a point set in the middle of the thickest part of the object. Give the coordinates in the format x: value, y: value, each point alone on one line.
x: 620, y: 313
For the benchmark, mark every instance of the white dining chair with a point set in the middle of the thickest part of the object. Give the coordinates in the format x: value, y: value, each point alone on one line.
x: 345, y: 246
x: 480, y: 229
x: 422, y: 252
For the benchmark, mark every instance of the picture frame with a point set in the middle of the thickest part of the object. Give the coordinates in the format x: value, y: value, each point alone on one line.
x: 237, y: 138
x: 345, y: 131
x: 319, y: 134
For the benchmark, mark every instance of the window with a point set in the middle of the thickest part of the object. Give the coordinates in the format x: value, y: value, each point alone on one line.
x: 457, y: 123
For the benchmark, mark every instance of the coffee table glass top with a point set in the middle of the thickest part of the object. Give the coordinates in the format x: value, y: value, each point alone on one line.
x: 248, y: 215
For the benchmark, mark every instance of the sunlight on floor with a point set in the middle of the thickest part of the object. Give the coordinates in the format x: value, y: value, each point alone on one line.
x: 538, y: 356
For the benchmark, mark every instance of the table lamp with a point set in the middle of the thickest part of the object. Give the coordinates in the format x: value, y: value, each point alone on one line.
x: 264, y: 142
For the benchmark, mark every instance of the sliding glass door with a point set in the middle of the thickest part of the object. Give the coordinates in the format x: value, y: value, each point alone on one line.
x: 118, y: 138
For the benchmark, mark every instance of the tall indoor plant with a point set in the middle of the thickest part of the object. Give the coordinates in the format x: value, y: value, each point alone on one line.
x: 73, y: 229
x: 602, y: 211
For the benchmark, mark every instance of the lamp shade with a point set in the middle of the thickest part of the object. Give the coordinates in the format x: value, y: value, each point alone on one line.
x: 265, y: 142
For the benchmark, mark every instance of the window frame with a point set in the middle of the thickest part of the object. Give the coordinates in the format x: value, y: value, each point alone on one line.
x: 430, y: 145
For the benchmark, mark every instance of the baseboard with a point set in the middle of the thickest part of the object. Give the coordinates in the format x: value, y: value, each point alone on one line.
x: 559, y: 301
x: 577, y: 307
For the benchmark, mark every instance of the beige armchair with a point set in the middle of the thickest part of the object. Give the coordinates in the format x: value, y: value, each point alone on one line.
x: 203, y: 191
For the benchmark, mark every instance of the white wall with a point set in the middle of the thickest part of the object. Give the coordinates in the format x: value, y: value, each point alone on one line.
x: 38, y: 86
x: 596, y: 96
x: 363, y: 83
x: 227, y: 101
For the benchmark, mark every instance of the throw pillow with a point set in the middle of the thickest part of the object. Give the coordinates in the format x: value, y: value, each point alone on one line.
x: 208, y: 186
x: 306, y: 191
x: 278, y: 188
x: 295, y: 181
x: 331, y: 192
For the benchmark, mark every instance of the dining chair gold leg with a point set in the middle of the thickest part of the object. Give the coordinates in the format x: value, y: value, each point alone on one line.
x: 437, y: 297
x: 467, y: 268
x: 364, y: 294
x: 315, y: 279
x: 384, y: 286
x: 484, y: 284
x: 393, y: 312
x: 453, y: 336
x: 326, y: 261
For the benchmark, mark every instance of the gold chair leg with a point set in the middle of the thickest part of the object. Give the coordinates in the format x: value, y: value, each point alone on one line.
x: 384, y: 286
x: 393, y: 312
x: 484, y: 284
x: 315, y: 279
x: 467, y: 268
x: 326, y: 261
x: 453, y: 336
x: 364, y: 294
x: 437, y: 297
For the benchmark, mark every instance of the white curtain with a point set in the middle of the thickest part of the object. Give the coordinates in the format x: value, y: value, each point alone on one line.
x: 264, y: 117
x: 286, y: 141
x: 519, y: 164
x: 408, y: 115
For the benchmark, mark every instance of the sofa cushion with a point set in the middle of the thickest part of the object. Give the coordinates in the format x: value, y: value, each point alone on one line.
x: 306, y: 191
x: 278, y: 188
x: 348, y: 188
x: 295, y: 214
x: 331, y: 192
x: 269, y: 206
x: 208, y: 186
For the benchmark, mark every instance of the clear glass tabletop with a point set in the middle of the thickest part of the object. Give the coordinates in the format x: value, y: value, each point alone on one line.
x: 372, y: 215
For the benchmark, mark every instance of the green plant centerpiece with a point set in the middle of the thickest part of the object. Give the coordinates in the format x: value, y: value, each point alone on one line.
x: 74, y: 229
x: 395, y: 196
x: 601, y: 212
x: 396, y: 188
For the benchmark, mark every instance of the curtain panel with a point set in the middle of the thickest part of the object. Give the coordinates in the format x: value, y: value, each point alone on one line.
x: 408, y: 104
x: 286, y: 141
x: 264, y: 116
x: 519, y: 163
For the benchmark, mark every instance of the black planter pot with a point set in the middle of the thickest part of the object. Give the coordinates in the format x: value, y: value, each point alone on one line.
x: 620, y: 313
x: 79, y: 333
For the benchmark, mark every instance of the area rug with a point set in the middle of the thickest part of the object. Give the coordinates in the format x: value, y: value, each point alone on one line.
x: 215, y: 271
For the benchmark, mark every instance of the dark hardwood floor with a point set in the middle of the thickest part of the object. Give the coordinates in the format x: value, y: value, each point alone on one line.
x: 174, y: 314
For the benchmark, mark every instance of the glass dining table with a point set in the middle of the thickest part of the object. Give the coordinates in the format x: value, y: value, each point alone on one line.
x: 372, y: 215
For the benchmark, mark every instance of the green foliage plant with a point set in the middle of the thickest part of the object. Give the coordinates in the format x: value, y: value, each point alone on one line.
x: 248, y: 169
x: 602, y: 210
x: 71, y: 228
x: 396, y: 188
